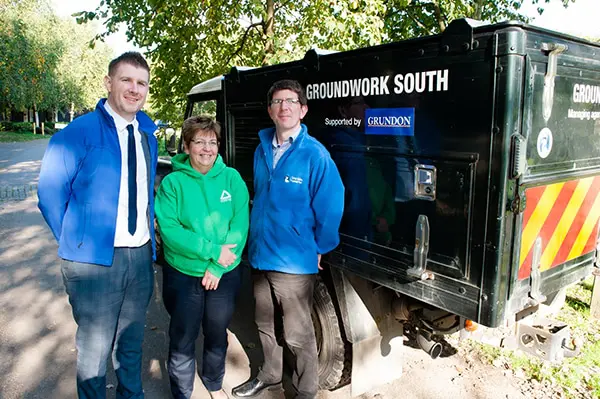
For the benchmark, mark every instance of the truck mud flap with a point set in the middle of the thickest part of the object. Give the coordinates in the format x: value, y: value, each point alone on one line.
x: 376, y: 337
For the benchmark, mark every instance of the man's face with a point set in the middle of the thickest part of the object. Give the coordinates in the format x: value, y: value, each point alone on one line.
x: 127, y: 89
x: 286, y: 116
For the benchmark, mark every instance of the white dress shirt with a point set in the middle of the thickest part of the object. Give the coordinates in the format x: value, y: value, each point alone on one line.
x: 142, y: 233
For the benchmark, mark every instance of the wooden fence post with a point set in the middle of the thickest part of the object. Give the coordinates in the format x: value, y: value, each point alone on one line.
x: 595, y: 305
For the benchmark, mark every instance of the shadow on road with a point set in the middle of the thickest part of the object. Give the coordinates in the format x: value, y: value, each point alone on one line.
x: 20, y: 162
x: 36, y: 327
x: 37, y: 331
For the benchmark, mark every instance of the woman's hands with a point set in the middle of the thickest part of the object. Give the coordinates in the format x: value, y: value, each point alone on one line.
x: 227, y: 257
x: 209, y: 281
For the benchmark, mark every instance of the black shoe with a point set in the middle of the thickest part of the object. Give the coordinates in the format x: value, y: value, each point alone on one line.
x: 251, y: 388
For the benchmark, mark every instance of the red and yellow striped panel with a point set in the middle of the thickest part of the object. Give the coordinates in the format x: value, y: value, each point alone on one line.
x: 565, y: 216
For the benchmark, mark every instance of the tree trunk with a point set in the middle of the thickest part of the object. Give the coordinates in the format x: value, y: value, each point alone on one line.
x: 477, y: 10
x: 269, y: 32
x: 438, y: 16
x: 71, y: 112
x: 36, y: 117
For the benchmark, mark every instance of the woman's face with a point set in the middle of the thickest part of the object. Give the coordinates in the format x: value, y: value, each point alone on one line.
x: 203, y: 150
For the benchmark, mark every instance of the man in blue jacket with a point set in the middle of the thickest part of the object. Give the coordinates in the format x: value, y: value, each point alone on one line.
x: 296, y: 213
x: 96, y: 194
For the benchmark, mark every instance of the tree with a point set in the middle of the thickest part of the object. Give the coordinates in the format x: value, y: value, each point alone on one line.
x: 29, y: 58
x: 81, y: 69
x: 45, y: 62
x: 414, y: 18
x: 189, y: 41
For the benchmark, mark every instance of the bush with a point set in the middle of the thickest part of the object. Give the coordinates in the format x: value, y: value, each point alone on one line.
x: 26, y: 127
x: 17, y: 127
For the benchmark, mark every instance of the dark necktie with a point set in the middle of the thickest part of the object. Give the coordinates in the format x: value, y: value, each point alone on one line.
x: 132, y: 180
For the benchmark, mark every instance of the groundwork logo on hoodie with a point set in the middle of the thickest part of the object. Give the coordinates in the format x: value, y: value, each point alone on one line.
x: 390, y: 121
x: 293, y: 179
x: 225, y: 196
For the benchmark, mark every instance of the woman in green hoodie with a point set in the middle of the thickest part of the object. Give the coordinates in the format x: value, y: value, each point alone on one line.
x: 202, y: 213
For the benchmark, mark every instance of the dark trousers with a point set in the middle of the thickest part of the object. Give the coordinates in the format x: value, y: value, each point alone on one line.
x: 109, y: 306
x: 191, y: 307
x: 291, y: 296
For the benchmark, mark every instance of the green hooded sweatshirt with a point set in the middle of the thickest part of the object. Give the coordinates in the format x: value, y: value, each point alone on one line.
x: 197, y: 214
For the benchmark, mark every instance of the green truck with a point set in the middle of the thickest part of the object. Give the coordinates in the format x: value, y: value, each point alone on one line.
x: 471, y: 162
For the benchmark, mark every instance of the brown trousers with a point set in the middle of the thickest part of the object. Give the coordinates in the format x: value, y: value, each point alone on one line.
x: 288, y: 296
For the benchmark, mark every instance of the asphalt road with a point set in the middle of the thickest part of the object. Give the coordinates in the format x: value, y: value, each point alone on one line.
x: 37, y: 330
x: 20, y: 162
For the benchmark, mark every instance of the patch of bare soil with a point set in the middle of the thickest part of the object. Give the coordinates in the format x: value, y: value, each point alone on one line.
x: 458, y: 373
x: 528, y: 388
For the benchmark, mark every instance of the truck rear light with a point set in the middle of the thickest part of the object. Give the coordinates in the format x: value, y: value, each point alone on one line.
x: 470, y: 325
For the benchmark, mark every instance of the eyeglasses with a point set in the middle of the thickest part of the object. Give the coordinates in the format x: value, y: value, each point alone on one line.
x: 288, y: 101
x: 205, y: 144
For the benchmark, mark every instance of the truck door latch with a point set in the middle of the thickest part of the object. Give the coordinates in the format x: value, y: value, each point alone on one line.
x: 421, y: 250
x: 536, y: 274
x: 425, y: 182
x: 553, y: 49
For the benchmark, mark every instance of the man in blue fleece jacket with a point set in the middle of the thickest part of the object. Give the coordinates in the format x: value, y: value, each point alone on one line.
x: 96, y: 193
x: 296, y: 214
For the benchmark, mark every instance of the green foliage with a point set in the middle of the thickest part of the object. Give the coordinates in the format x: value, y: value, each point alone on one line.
x: 16, y: 127
x: 11, y: 137
x: 45, y: 61
x: 162, y: 147
x: 189, y: 41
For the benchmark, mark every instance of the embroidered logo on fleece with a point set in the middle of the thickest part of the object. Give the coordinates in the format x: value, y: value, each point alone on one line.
x: 293, y: 179
x: 225, y: 196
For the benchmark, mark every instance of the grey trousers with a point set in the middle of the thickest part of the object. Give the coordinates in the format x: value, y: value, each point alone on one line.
x: 289, y: 296
x: 109, y: 306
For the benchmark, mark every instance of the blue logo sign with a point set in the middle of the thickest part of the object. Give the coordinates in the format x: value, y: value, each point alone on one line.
x: 390, y: 121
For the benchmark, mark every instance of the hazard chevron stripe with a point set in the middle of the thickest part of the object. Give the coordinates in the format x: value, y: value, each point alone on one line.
x: 565, y: 216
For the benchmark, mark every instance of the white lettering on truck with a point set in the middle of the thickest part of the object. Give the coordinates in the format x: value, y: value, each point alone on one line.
x: 586, y: 94
x: 419, y: 82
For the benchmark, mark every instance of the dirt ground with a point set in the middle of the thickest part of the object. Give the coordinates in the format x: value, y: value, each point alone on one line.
x: 457, y: 375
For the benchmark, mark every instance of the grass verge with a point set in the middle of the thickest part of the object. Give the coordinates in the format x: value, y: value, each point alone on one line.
x: 12, y: 137
x: 577, y: 377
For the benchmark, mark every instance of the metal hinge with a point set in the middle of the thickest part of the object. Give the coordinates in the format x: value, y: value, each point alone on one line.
x: 519, y: 155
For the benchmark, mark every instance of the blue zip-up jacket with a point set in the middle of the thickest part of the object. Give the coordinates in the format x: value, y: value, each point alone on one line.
x: 297, y: 206
x: 79, y: 185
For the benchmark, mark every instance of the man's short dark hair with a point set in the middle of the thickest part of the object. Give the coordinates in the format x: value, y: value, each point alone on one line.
x: 132, y: 58
x: 288, y: 84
